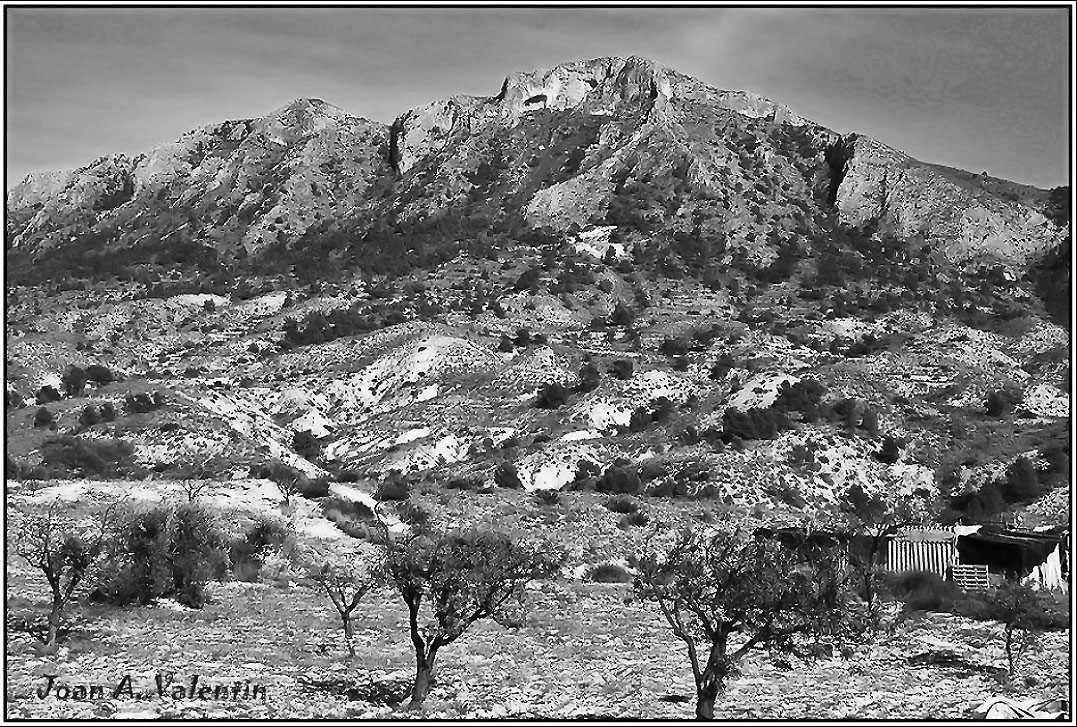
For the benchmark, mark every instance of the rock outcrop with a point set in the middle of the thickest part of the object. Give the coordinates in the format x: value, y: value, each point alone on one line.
x: 882, y: 185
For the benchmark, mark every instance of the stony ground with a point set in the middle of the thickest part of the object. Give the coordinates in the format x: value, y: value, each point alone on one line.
x: 585, y: 650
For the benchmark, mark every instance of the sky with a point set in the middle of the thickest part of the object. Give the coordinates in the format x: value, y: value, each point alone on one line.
x: 980, y: 89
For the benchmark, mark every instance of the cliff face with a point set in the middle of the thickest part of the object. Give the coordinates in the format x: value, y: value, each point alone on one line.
x: 605, y: 141
x: 882, y: 185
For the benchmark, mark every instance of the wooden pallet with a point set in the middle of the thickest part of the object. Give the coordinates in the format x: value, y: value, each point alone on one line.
x: 970, y: 577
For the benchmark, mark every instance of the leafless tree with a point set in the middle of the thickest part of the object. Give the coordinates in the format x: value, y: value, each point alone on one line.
x: 346, y: 579
x: 65, y: 552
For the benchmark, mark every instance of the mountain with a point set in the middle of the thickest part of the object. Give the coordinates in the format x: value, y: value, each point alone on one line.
x: 607, y: 141
x: 605, y: 266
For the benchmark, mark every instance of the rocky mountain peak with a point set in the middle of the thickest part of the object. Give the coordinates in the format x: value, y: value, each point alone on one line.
x: 599, y: 81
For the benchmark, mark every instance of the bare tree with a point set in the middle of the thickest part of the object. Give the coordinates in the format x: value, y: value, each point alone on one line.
x: 65, y: 552
x: 1024, y: 614
x: 455, y: 579
x: 729, y: 591
x: 346, y: 578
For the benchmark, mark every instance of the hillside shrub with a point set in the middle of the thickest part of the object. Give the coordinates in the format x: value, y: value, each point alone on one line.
x: 144, y: 402
x: 622, y: 504
x: 1000, y: 402
x: 622, y: 315
x: 413, y: 514
x: 249, y: 551
x: 47, y: 395
x: 720, y: 369
x: 1021, y: 482
x: 755, y: 423
x: 673, y: 347
x: 802, y: 397
x: 640, y: 419
x: 464, y: 483
x: 552, y: 396
x: 43, y: 419
x: 74, y: 380
x: 925, y: 591
x: 549, y: 498
x: 890, y: 452
x: 87, y: 457
x: 590, y: 378
x: 653, y: 468
x: 394, y: 489
x: 306, y: 444
x: 633, y: 520
x: 13, y: 399
x: 312, y: 488
x: 619, y: 478
x: 506, y: 476
x: 587, y: 473
x: 662, y: 409
x: 621, y: 369
x: 669, y: 487
x: 89, y: 416
x: 607, y: 573
x: 100, y: 375
x: 350, y: 516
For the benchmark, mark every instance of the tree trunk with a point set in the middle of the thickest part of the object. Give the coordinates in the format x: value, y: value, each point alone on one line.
x: 706, y: 695
x: 711, y: 684
x: 348, y: 633
x: 54, y: 623
x: 1009, y: 650
x: 424, y: 675
x: 711, y: 680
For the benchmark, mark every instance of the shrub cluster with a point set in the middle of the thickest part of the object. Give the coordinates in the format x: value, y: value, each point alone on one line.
x: 352, y: 517
x: 506, y: 476
x: 87, y: 457
x: 552, y: 395
x: 622, y: 504
x: 619, y: 478
x: 522, y: 340
x: 548, y: 497
x: 144, y: 402
x: 608, y: 573
x: 43, y: 419
x: 394, y: 488
x: 802, y: 397
x: 754, y: 423
x: 165, y: 551
x: 1021, y: 484
x: 94, y: 414
x: 660, y: 410
x: 249, y: 551
x: 317, y: 327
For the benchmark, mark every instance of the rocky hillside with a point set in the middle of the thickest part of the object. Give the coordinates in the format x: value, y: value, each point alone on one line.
x: 606, y: 275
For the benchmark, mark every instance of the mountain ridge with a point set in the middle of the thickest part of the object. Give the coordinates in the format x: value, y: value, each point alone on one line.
x: 244, y: 185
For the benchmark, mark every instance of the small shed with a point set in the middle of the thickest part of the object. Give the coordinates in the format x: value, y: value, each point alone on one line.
x: 922, y: 549
x: 1040, y: 558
